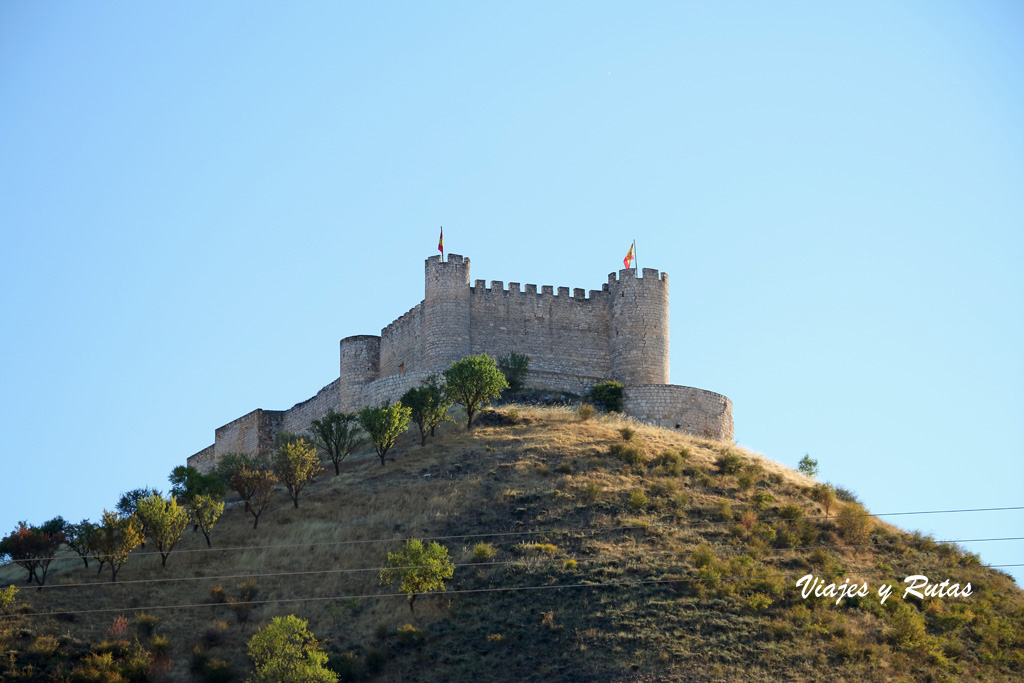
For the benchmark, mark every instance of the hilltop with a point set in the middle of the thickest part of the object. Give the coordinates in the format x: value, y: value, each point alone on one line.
x: 596, y: 550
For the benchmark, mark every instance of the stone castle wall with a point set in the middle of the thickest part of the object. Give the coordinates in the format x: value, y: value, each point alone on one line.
x: 573, y: 340
x: 693, y: 411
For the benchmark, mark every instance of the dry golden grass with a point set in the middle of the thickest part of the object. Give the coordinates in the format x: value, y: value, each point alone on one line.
x: 605, y: 520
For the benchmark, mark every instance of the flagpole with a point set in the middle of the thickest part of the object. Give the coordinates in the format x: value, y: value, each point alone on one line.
x: 636, y: 261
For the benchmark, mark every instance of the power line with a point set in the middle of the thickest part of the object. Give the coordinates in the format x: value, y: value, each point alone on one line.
x: 589, y: 558
x: 507, y: 589
x: 685, y: 525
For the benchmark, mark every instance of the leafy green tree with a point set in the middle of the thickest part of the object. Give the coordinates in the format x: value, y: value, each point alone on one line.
x: 284, y: 651
x: 383, y: 425
x: 514, y: 366
x: 230, y: 467
x: 337, y: 434
x: 418, y: 569
x: 115, y: 538
x: 129, y: 501
x: 33, y: 548
x: 608, y: 395
x: 429, y: 405
x: 187, y: 482
x: 164, y: 520
x: 808, y: 465
x: 78, y: 537
x: 296, y: 464
x: 205, y: 511
x: 825, y: 496
x: 128, y: 505
x: 472, y: 382
x: 255, y: 483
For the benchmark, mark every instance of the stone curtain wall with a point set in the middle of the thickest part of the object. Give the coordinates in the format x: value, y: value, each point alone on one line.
x: 204, y: 460
x: 560, y: 333
x: 401, y: 344
x: 694, y: 411
x: 298, y: 417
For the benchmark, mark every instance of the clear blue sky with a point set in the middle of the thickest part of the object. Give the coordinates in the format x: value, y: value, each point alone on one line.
x: 198, y: 200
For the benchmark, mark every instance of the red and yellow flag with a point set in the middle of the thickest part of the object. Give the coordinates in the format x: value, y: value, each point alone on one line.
x: 440, y: 243
x: 629, y: 256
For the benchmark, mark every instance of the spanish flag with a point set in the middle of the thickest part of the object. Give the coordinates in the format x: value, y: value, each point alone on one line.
x: 440, y: 243
x: 629, y: 256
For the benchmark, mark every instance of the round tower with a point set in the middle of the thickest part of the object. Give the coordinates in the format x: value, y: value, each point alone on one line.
x: 445, y: 312
x: 360, y: 365
x: 639, y: 329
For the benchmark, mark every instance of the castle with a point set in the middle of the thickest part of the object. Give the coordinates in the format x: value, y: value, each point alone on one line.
x: 574, y: 341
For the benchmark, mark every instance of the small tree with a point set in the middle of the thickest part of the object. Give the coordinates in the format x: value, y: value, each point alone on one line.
x: 8, y: 596
x: 429, y: 406
x: 514, y: 366
x: 284, y: 651
x: 607, y: 395
x: 825, y: 496
x: 472, y: 382
x: 255, y: 485
x: 418, y: 569
x: 78, y: 537
x: 808, y: 465
x: 115, y: 538
x: 205, y: 511
x: 33, y: 548
x: 230, y: 467
x: 164, y: 521
x: 296, y: 464
x: 187, y: 482
x: 383, y: 425
x: 337, y: 434
x: 128, y: 505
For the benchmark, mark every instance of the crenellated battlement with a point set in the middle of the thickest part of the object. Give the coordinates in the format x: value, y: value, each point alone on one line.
x: 498, y: 288
x: 574, y: 337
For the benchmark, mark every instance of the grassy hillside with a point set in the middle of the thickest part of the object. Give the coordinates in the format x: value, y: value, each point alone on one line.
x: 598, y: 550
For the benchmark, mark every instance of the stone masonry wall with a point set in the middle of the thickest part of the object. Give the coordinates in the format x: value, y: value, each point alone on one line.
x: 252, y: 433
x: 401, y: 344
x: 694, y: 411
x: 297, y: 418
x: 560, y: 333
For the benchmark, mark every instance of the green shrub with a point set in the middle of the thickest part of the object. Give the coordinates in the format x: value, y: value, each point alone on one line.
x: 762, y: 499
x: 846, y: 495
x: 607, y: 395
x: 533, y: 548
x: 637, y: 499
x: 564, y: 467
x: 854, y: 523
x: 671, y: 463
x: 790, y: 512
x: 729, y: 463
x: 631, y: 454
x: 147, y: 624
x: 627, y: 433
x: 592, y: 491
x: 482, y: 552
x: 745, y: 482
x: 375, y: 660
x: 7, y: 599
x: 703, y: 555
x: 585, y: 412
x: 569, y: 564
x: 409, y: 634
x: 758, y: 602
x: 723, y: 513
